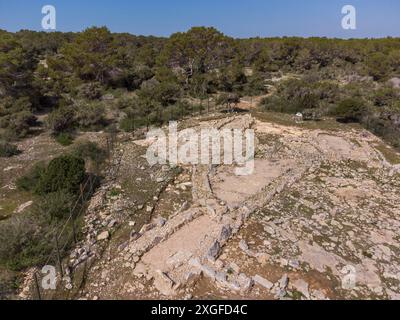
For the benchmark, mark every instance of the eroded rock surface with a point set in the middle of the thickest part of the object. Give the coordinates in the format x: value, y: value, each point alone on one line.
x: 318, y: 219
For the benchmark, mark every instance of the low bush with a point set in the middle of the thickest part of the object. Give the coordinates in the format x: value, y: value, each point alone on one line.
x: 29, y: 181
x: 62, y: 120
x: 90, y: 115
x: 55, y: 205
x: 296, y: 95
x: 93, y: 153
x: 23, y: 242
x: 64, y: 138
x: 350, y: 110
x: 64, y: 173
x: 8, y: 150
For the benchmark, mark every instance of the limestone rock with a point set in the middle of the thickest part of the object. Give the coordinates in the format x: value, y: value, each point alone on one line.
x: 103, y: 236
x: 263, y: 282
x: 214, y: 251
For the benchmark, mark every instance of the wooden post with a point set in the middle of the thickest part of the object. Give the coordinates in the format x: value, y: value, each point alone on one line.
x: 91, y: 181
x: 108, y: 146
x: 37, y: 286
x: 181, y: 110
x: 59, y: 257
x: 74, y: 231
x: 82, y: 191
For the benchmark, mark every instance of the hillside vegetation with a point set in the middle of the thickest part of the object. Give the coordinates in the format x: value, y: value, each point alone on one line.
x: 87, y: 80
x: 65, y: 96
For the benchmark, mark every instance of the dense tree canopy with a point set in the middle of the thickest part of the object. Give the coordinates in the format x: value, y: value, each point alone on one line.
x: 70, y: 75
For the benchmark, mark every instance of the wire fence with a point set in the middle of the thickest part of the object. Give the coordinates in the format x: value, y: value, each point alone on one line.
x: 68, y: 233
x: 205, y: 107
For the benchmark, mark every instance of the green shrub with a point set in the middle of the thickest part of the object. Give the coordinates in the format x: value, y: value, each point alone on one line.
x: 17, y: 125
x: 29, y: 181
x: 255, y: 86
x: 131, y: 121
x: 350, y: 110
x: 92, y: 90
x: 61, y: 119
x: 384, y: 123
x: 296, y: 95
x: 55, y: 205
x: 8, y: 150
x: 385, y: 96
x: 312, y: 114
x: 64, y: 173
x: 127, y: 102
x: 90, y: 115
x: 89, y: 150
x: 16, y: 117
x: 228, y: 100
x: 377, y: 65
x: 128, y: 124
x: 64, y: 138
x: 23, y: 242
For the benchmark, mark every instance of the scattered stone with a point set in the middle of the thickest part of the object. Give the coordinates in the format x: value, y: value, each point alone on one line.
x: 295, y: 264
x: 214, y: 251
x: 263, y: 258
x: 192, y: 277
x: 103, y: 236
x: 243, y: 245
x: 226, y: 232
x: 234, y: 267
x: 283, y: 262
x: 140, y: 270
x: 245, y: 282
x: 147, y: 227
x: 221, y: 277
x: 263, y: 282
x: 164, y: 284
x: 112, y: 224
x: 283, y: 282
x: 134, y: 235
x: 68, y: 286
x: 161, y: 222
x: 301, y: 286
x: 24, y: 206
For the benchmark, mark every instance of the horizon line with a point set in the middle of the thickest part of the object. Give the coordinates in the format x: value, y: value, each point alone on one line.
x: 203, y: 26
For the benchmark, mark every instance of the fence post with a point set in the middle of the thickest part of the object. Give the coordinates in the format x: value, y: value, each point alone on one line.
x: 59, y: 257
x: 74, y: 231
x: 39, y: 295
x: 108, y: 146
x: 82, y: 191
x: 181, y: 110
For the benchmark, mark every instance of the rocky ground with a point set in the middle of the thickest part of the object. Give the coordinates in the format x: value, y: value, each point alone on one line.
x: 318, y: 219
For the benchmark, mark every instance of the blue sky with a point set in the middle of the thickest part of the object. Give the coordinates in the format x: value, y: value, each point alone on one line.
x: 237, y: 18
